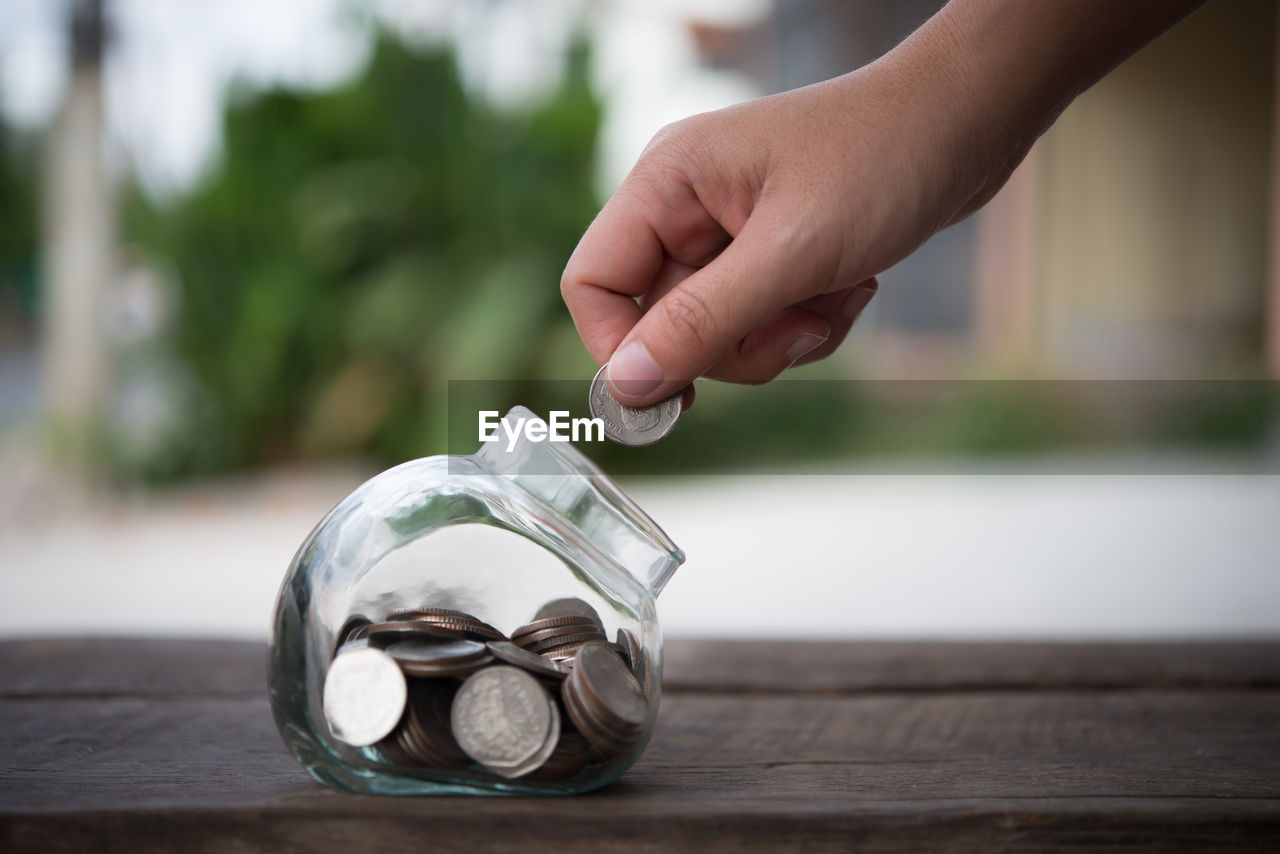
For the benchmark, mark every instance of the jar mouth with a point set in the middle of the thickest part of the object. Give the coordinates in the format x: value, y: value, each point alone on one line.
x: 561, y: 475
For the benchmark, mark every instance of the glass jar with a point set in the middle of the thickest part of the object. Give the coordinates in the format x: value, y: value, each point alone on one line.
x: 495, y: 536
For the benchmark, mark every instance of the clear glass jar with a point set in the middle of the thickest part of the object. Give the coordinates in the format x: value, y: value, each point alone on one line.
x: 496, y: 535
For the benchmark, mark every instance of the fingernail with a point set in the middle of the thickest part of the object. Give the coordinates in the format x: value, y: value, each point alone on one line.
x: 633, y: 372
x: 856, y: 301
x: 806, y: 342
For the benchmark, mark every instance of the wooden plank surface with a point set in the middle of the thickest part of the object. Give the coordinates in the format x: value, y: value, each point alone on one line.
x: 1186, y: 755
x: 807, y: 666
x: 206, y: 668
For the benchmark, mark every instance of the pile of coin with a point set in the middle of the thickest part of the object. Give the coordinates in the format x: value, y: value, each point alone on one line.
x: 438, y: 688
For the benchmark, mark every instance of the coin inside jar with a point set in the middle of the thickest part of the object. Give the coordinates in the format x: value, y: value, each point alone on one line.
x: 460, y: 623
x: 428, y: 658
x: 571, y: 755
x: 554, y: 625
x: 509, y: 653
x: 464, y: 706
x: 632, y: 425
x: 364, y: 696
x: 635, y: 656
x: 604, y: 700
x: 506, y: 721
x: 392, y: 631
x: 425, y: 737
x: 557, y: 609
x: 356, y: 627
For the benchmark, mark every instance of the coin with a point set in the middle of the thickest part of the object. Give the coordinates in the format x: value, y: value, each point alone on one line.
x: 559, y: 640
x: 427, y: 734
x: 604, y: 700
x: 473, y: 629
x: 565, y: 653
x: 584, y: 714
x: 526, y: 660
x: 447, y: 618
x: 506, y: 721
x: 571, y: 606
x: 364, y: 696
x: 411, y: 613
x: 572, y: 753
x: 427, y: 658
x: 632, y: 425
x: 551, y: 701
x: 634, y: 655
x: 613, y: 685
x: 540, y: 640
x: 570, y: 621
x: 397, y: 630
x: 356, y: 626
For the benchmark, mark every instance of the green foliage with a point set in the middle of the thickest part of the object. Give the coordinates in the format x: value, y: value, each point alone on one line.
x: 359, y: 247
x: 18, y: 242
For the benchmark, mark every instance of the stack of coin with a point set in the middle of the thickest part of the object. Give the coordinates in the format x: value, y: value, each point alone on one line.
x: 573, y: 753
x: 604, y: 700
x: 558, y: 638
x: 441, y: 689
x: 425, y: 737
x: 448, y: 621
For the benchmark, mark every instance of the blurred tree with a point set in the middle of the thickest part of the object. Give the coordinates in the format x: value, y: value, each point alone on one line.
x: 17, y: 236
x: 360, y: 247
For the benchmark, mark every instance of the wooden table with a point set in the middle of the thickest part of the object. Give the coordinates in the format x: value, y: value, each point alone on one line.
x: 142, y: 745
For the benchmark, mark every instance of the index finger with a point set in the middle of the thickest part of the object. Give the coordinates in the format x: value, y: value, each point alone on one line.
x: 616, y: 261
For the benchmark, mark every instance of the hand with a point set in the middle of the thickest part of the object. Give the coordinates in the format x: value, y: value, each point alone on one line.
x: 747, y: 240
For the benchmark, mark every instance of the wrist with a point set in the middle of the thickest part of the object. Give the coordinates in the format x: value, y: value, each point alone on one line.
x: 997, y: 73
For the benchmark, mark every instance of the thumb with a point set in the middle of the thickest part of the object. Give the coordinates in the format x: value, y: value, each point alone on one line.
x: 686, y: 332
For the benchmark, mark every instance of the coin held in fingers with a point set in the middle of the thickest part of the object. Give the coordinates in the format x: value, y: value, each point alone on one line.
x: 632, y: 425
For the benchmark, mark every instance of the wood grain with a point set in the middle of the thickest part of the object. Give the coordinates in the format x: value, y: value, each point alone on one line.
x: 809, y: 666
x: 132, y: 667
x: 178, y: 764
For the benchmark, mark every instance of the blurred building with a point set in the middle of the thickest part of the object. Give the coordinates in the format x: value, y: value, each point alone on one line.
x: 1133, y: 242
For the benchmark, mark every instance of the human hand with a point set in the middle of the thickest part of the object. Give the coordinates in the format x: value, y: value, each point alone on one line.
x: 747, y: 240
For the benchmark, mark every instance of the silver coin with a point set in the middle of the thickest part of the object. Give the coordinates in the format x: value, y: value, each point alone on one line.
x: 505, y: 720
x: 525, y: 660
x: 607, y: 737
x: 563, y: 639
x: 562, y: 624
x: 558, y: 609
x: 364, y: 696
x: 632, y: 425
x: 612, y: 686
x: 629, y: 645
x: 433, y: 658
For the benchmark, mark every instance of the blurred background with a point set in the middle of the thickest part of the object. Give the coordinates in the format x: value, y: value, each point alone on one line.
x: 250, y: 253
